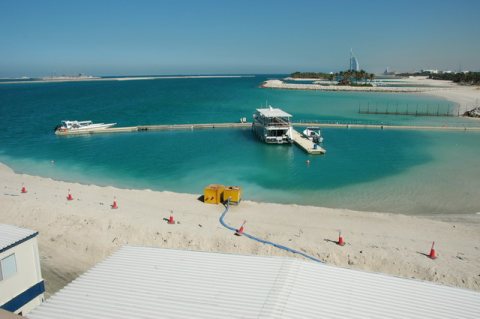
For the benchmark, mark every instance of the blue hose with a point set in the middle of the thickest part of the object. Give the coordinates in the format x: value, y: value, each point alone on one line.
x: 264, y: 241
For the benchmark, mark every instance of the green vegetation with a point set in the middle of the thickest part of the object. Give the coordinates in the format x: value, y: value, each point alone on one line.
x: 311, y: 75
x: 349, y: 77
x: 354, y: 78
x: 472, y: 78
x: 406, y: 74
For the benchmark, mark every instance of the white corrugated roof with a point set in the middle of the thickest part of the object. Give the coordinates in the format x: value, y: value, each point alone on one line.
x: 11, y: 235
x: 273, y: 112
x: 140, y: 282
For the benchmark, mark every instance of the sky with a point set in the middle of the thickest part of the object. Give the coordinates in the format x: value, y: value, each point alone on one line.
x: 40, y: 38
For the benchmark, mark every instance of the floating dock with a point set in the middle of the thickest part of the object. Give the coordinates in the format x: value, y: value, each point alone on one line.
x: 167, y: 127
x: 304, y: 143
x: 307, y: 145
x: 391, y: 127
x: 145, y: 128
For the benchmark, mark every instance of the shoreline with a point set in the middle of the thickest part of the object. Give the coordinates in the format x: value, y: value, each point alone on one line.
x: 467, y: 97
x: 126, y: 78
x: 75, y: 235
x: 277, y: 84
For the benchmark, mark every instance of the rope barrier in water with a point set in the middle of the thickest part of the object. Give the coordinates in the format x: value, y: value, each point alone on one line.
x: 266, y: 242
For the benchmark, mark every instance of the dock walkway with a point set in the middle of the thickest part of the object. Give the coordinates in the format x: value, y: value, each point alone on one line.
x: 304, y: 143
x: 166, y: 127
x: 307, y: 145
x: 390, y: 127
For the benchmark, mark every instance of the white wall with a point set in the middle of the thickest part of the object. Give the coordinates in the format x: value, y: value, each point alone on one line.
x: 28, y: 274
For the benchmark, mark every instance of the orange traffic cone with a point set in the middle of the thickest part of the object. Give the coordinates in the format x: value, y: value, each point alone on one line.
x: 239, y: 232
x: 24, y: 190
x: 69, y: 197
x: 170, y: 219
x: 340, y: 242
x: 433, y: 253
x: 114, y: 205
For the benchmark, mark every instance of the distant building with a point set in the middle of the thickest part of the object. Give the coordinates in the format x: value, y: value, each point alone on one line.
x: 431, y: 71
x: 141, y: 282
x: 388, y: 72
x: 21, y: 283
x: 354, y: 65
x: 435, y: 71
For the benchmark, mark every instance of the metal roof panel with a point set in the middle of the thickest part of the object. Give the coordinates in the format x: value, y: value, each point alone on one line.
x: 141, y: 282
x: 10, y: 236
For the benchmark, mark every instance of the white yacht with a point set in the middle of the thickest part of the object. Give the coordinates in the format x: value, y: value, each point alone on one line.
x: 313, y: 134
x: 82, y: 126
x: 272, y: 126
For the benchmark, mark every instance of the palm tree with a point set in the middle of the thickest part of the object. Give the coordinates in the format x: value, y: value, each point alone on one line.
x: 359, y: 76
x: 346, y: 79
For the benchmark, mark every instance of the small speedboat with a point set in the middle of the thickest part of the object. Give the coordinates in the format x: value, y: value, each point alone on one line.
x: 313, y: 134
x: 81, y: 126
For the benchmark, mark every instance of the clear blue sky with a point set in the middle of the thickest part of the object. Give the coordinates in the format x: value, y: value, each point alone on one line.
x: 234, y: 36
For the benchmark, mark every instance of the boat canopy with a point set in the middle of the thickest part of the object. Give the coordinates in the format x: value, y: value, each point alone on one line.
x: 273, y: 112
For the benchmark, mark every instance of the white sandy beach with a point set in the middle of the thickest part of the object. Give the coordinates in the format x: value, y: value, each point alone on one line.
x: 75, y: 235
x: 467, y: 97
x: 278, y: 84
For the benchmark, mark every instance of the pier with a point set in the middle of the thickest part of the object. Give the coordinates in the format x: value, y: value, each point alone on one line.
x: 301, y: 141
x: 307, y: 145
x: 390, y: 127
x: 167, y: 127
x: 163, y: 127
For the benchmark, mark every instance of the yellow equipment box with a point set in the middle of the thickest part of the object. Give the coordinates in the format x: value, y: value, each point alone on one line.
x: 234, y: 192
x: 213, y: 194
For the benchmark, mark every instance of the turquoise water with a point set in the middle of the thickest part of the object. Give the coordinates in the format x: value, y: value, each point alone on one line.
x: 396, y: 171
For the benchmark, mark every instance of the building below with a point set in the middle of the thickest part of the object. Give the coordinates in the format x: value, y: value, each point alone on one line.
x: 141, y: 282
x: 21, y: 283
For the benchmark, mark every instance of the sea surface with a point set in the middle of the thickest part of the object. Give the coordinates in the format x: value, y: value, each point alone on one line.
x: 400, y: 171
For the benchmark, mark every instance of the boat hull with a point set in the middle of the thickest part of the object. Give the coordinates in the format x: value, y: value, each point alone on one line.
x: 270, y: 136
x: 86, y: 128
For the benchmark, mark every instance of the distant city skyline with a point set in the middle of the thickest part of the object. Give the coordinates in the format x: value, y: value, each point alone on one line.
x: 41, y: 38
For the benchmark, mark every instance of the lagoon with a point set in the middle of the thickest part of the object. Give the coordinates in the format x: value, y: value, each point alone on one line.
x: 412, y: 172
